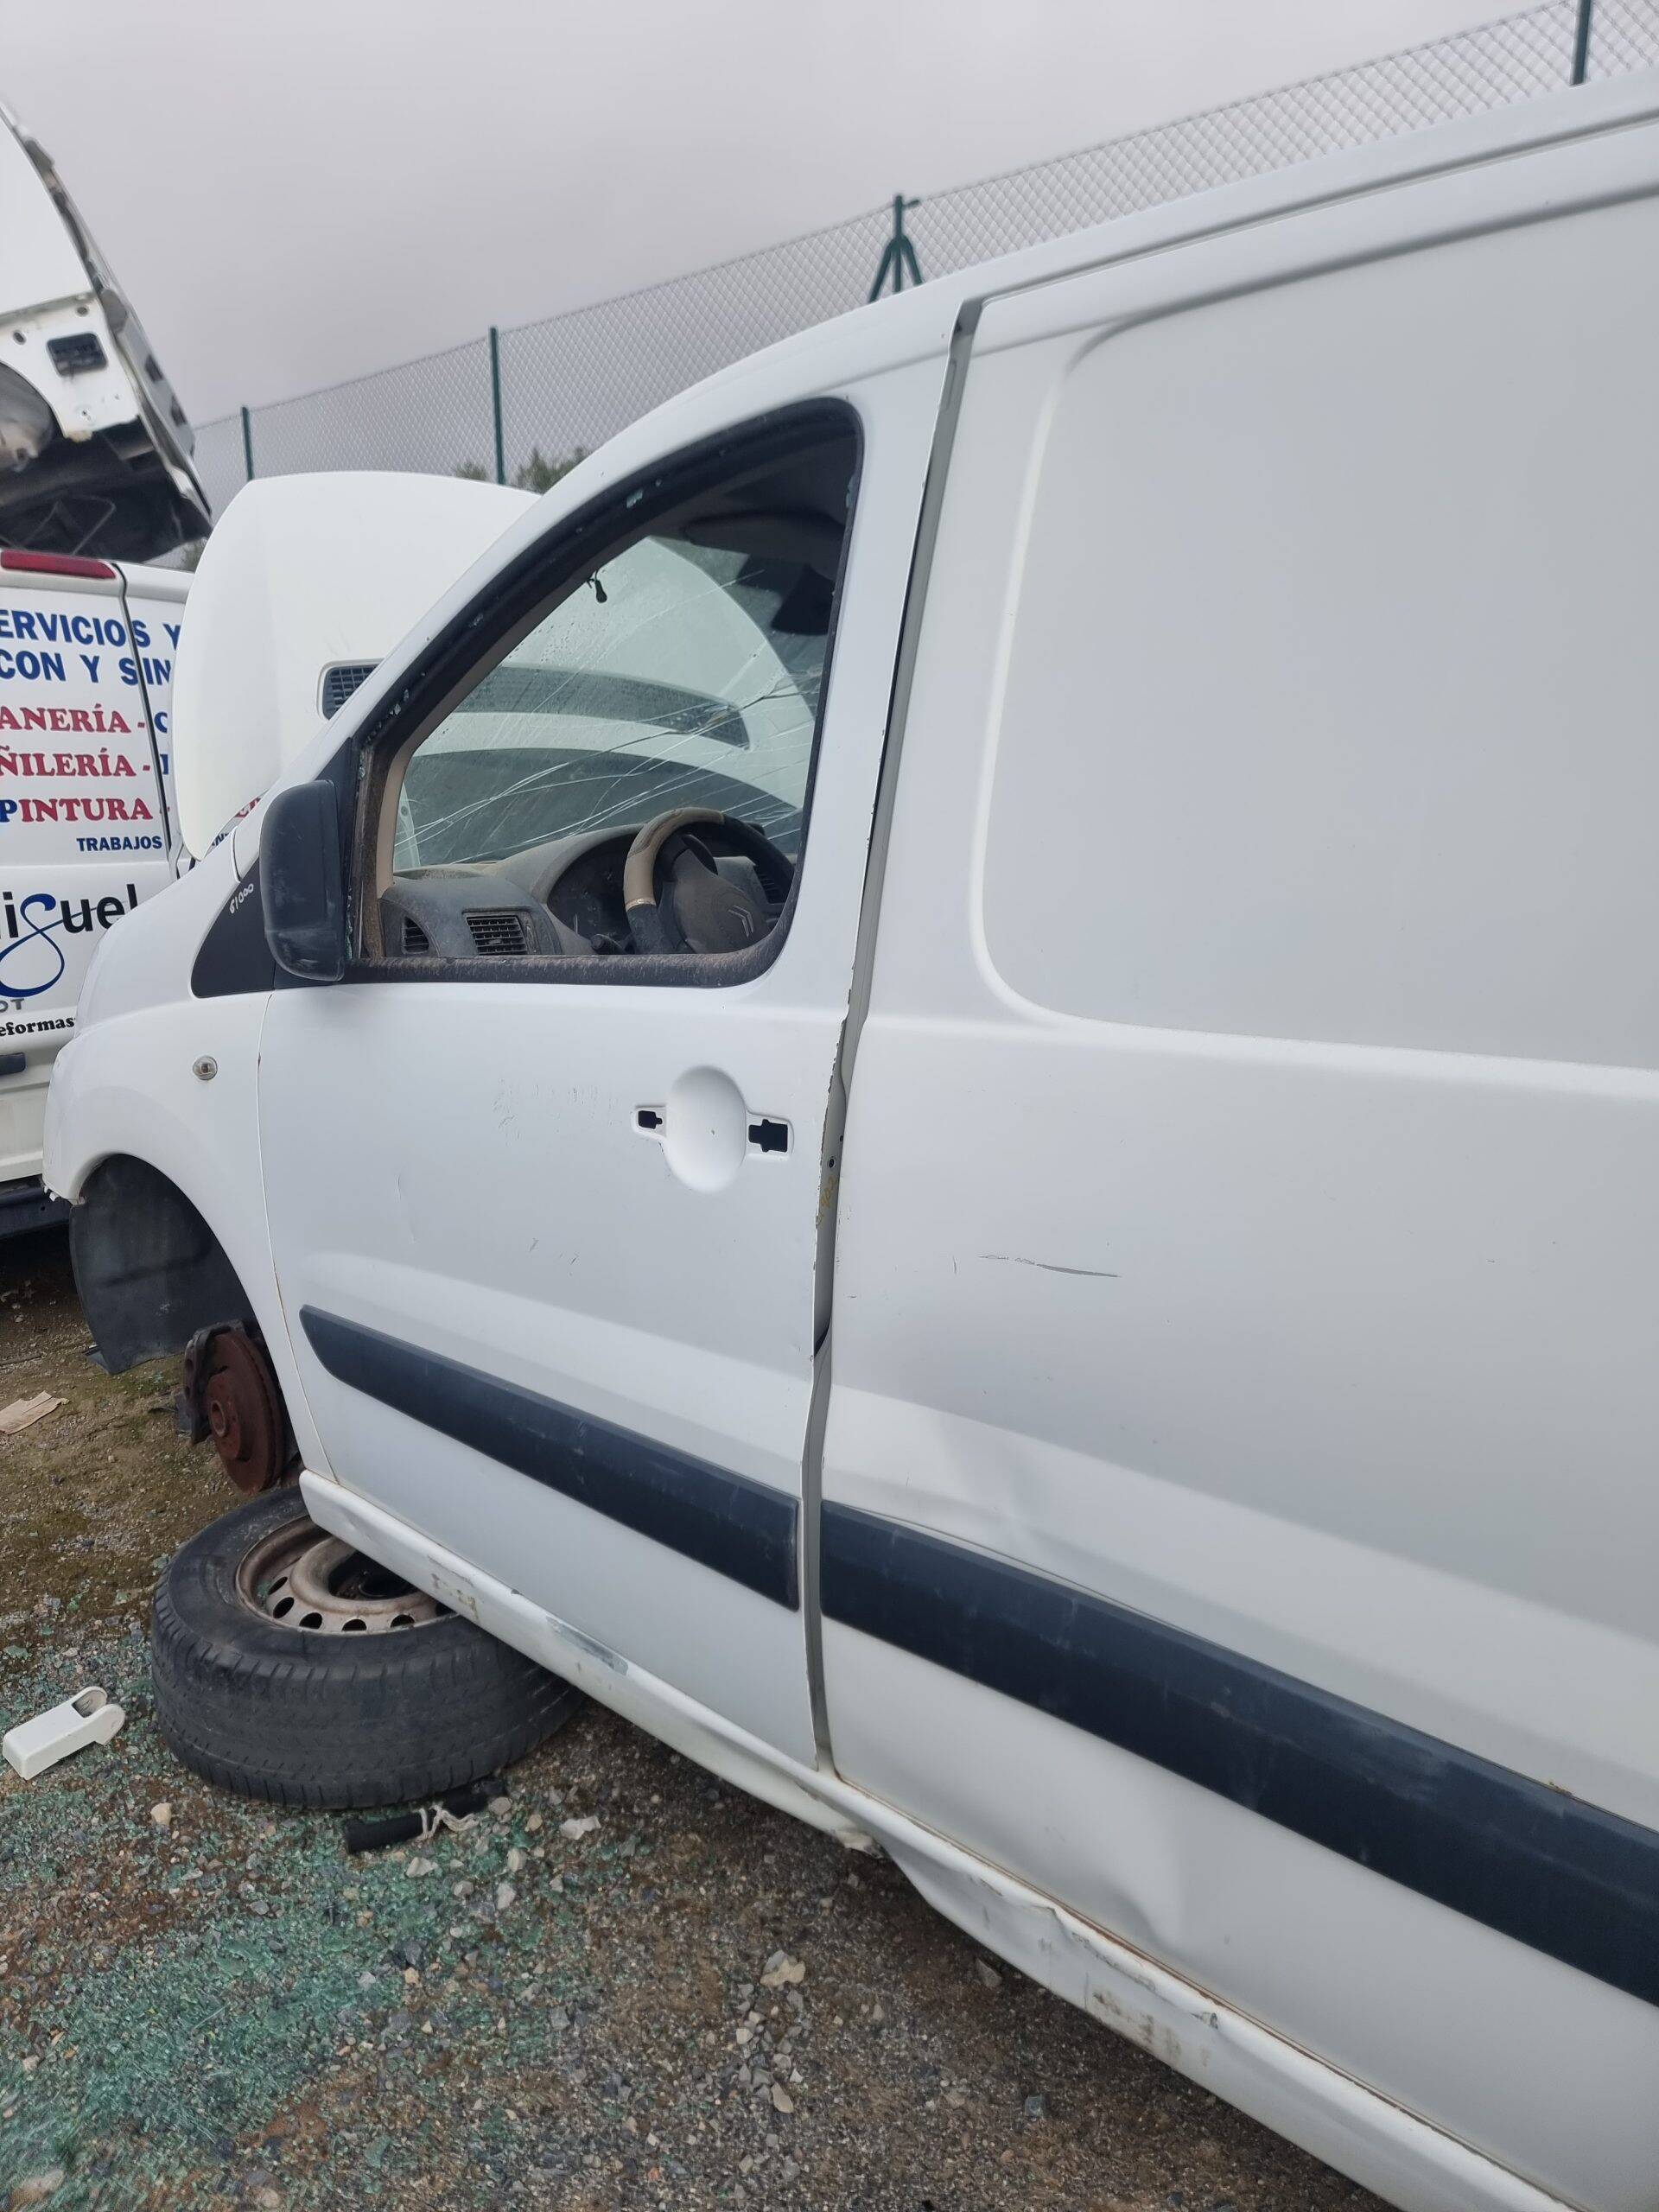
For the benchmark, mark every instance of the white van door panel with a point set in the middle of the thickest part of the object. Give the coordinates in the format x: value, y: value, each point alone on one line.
x: 1244, y: 1402
x: 649, y: 1290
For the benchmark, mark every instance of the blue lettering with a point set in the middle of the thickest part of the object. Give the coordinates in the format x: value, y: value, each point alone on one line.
x: 32, y: 668
x: 32, y: 932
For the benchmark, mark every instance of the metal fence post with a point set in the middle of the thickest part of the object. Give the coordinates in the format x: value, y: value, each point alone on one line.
x: 898, y: 255
x: 247, y: 442
x: 495, y: 403
x: 1581, y: 41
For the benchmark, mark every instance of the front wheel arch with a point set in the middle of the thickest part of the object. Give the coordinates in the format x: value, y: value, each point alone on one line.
x: 149, y: 1270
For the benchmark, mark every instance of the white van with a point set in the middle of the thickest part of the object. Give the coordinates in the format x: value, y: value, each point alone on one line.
x: 87, y: 811
x: 952, y: 1087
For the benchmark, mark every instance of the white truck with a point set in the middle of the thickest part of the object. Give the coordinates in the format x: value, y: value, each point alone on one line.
x: 95, y: 480
x: 953, y: 1087
x: 94, y: 446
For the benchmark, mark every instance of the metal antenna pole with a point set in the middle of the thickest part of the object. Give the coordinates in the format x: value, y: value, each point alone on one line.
x: 1581, y: 41
x: 495, y: 405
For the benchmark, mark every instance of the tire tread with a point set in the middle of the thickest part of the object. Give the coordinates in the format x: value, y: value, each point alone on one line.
x: 331, y: 1722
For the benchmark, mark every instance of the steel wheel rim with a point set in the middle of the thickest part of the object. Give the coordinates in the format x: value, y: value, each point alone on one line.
x: 300, y: 1576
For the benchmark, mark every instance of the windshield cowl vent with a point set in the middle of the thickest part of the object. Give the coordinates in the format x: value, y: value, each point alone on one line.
x: 497, y: 933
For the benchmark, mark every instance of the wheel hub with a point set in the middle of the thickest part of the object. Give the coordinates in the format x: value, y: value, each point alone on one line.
x: 308, y: 1580
x: 230, y: 1400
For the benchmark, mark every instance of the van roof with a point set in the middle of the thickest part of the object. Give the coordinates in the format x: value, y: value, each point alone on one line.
x: 908, y: 325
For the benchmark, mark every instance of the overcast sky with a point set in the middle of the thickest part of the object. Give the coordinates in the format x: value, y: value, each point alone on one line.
x: 297, y: 191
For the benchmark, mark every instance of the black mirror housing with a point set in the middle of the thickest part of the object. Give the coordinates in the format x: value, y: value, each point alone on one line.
x: 301, y: 882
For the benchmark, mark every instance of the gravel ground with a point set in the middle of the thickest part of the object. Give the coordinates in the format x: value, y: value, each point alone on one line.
x: 204, y: 2004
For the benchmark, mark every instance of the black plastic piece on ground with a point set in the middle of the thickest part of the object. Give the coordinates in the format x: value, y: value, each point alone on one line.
x: 404, y: 1827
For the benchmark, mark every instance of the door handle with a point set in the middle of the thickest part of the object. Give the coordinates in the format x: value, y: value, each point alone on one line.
x: 766, y: 1134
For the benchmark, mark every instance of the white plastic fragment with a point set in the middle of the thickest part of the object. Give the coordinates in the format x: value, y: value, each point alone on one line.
x: 86, y: 1718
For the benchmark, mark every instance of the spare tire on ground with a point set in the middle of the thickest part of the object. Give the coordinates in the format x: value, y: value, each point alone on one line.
x: 290, y: 1667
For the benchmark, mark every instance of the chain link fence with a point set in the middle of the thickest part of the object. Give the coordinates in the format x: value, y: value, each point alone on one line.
x: 563, y: 386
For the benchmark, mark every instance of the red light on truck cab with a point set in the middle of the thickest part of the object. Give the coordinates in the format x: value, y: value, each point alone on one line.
x: 55, y: 564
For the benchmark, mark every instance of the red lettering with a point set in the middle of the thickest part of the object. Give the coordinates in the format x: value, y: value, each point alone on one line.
x: 89, y: 767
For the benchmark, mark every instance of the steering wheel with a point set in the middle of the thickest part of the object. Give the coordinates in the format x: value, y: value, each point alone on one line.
x: 678, y: 901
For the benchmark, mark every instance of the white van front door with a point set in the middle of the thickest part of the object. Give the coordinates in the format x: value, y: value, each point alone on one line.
x: 546, y: 1211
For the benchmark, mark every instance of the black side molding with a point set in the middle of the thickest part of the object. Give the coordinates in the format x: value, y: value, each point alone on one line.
x: 1565, y: 1877
x: 741, y: 1529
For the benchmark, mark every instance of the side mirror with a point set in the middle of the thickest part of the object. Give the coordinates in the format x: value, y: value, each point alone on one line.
x: 299, y: 883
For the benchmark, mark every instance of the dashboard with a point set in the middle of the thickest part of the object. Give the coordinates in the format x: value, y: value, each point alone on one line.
x: 563, y: 897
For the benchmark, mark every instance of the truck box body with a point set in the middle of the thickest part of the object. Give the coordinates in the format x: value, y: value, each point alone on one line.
x: 85, y: 807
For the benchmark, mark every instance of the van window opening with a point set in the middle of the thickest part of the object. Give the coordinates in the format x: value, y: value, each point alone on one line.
x: 648, y: 743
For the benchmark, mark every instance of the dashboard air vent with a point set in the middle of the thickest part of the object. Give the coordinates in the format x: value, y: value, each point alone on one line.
x: 414, y: 938
x: 498, y: 933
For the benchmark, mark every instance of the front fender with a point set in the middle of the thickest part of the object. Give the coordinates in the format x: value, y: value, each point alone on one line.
x: 175, y: 1086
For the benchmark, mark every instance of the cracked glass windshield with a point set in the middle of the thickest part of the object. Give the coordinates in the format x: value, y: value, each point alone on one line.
x: 678, y: 675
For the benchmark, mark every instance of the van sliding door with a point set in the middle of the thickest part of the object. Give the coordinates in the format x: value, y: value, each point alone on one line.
x: 1245, y: 1406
